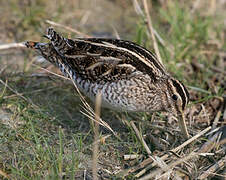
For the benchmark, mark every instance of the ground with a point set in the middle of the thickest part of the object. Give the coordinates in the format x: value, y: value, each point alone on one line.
x: 45, y: 135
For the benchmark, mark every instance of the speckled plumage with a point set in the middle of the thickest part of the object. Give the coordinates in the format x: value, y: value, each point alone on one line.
x: 129, y: 77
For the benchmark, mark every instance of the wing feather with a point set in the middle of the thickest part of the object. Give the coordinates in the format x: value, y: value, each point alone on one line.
x: 112, y: 52
x: 99, y: 59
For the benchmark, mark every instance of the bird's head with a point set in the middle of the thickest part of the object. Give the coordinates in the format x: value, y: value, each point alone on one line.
x: 46, y: 49
x: 177, y: 98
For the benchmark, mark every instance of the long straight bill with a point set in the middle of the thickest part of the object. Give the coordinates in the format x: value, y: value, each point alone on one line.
x: 183, y: 126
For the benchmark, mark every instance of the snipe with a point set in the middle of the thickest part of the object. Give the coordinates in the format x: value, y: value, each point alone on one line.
x: 129, y: 77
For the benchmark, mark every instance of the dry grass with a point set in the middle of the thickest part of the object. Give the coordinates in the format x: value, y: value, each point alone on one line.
x: 44, y: 135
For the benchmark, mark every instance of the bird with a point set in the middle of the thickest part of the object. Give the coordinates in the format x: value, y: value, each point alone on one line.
x: 129, y: 77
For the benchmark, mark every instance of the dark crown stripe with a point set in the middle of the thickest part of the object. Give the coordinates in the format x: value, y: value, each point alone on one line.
x: 182, y: 92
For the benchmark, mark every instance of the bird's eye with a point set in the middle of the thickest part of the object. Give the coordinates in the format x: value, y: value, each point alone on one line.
x: 174, y: 97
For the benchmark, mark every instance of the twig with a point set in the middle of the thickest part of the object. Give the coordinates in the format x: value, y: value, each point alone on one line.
x: 141, y: 138
x: 67, y: 28
x: 96, y: 136
x: 216, y: 69
x: 139, y: 11
x: 85, y: 18
x: 169, y: 167
x: 30, y: 92
x: 4, y: 174
x: 127, y: 157
x: 3, y: 69
x: 4, y: 89
x: 169, y: 47
x: 210, y: 144
x: 18, y: 94
x: 12, y: 45
x: 116, y: 33
x: 146, y: 162
x: 213, y: 168
x: 150, y: 27
x: 191, y: 139
x: 137, y: 8
x: 50, y: 72
x: 216, y: 119
x: 177, y: 149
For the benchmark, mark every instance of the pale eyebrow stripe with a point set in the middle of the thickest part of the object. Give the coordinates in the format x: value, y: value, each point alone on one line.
x: 181, y: 92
